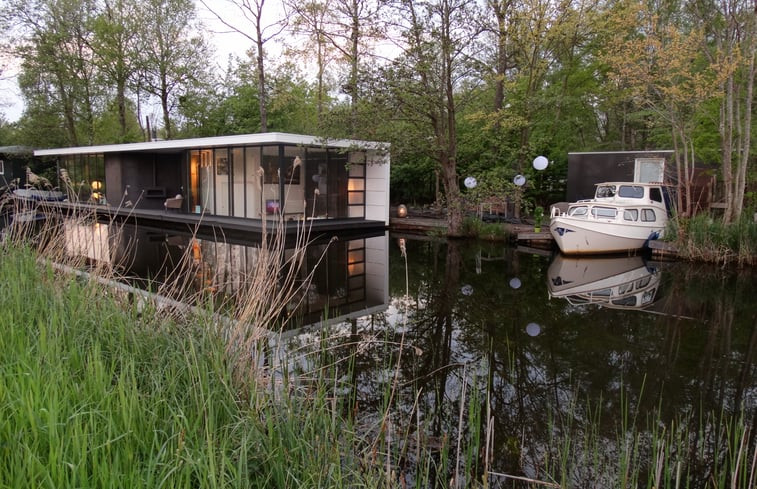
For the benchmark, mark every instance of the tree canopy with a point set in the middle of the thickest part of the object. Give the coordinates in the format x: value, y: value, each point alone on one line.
x: 458, y: 87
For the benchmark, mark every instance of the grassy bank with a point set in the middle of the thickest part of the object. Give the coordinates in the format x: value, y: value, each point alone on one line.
x: 94, y: 393
x: 99, y: 390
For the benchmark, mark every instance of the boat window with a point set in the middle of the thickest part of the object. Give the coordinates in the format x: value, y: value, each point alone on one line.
x: 643, y: 282
x: 625, y: 288
x: 601, y: 293
x: 648, y: 296
x: 605, y: 212
x: 578, y: 211
x: 631, y: 214
x: 648, y: 215
x: 626, y: 301
x: 605, y: 191
x: 631, y: 191
x: 655, y: 194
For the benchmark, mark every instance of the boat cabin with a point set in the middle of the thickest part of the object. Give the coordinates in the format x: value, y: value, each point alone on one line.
x: 247, y: 176
x: 626, y: 201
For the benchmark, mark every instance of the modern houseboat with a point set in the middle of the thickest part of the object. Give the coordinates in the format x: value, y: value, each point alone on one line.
x: 232, y: 181
x: 622, y: 217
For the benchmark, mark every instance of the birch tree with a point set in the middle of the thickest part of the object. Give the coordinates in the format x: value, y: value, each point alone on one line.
x: 311, y: 19
x: 249, y: 20
x: 173, y: 56
x: 731, y: 42
x: 659, y: 62
x: 57, y: 69
x: 426, y: 81
x: 115, y: 48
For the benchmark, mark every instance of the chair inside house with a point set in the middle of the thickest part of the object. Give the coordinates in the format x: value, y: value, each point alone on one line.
x: 174, y: 203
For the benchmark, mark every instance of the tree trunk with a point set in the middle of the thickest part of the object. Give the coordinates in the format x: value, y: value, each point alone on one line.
x: 726, y: 150
x: 746, y: 128
x: 262, y: 91
x: 121, y: 102
x: 354, y: 67
x: 166, y: 114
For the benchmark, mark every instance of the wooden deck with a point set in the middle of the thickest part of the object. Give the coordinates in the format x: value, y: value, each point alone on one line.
x: 422, y: 225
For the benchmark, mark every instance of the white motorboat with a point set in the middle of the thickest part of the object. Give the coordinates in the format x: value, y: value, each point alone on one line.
x: 613, y: 282
x: 622, y: 217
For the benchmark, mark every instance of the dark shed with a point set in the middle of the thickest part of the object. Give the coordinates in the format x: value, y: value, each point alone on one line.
x: 585, y: 170
x: 13, y: 163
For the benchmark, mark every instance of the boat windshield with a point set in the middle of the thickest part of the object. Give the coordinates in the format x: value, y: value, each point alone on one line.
x: 580, y: 211
x: 631, y: 191
x: 604, y: 191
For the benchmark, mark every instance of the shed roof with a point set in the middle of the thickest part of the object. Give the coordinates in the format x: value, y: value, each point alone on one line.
x: 15, y: 150
x: 177, y: 145
x: 649, y: 151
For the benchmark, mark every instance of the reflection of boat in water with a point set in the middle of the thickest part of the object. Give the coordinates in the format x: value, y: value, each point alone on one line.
x: 616, y: 282
x: 620, y: 217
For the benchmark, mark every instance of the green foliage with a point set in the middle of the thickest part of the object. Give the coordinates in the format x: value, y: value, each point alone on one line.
x: 474, y: 227
x: 538, y: 215
x: 108, y: 128
x: 413, y: 182
x: 7, y: 137
x: 707, y: 239
x: 548, y: 84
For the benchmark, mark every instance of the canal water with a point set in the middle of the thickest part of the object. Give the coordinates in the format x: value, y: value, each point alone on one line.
x: 551, y: 362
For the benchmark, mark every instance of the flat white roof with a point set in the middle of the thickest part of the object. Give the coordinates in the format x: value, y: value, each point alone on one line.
x: 217, y: 141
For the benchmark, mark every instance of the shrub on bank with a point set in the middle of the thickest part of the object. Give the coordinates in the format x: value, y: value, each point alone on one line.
x: 474, y: 227
x: 702, y: 238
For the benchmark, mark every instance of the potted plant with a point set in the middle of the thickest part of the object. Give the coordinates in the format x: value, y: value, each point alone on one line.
x: 538, y: 216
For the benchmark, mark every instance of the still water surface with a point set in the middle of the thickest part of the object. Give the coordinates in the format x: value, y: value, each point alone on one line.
x: 558, y: 348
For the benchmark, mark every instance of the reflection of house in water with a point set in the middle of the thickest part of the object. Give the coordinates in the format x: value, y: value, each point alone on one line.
x: 91, y: 241
x: 350, y: 277
x: 232, y: 181
x: 615, y: 282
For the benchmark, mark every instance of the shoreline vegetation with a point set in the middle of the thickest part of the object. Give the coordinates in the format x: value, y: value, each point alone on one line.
x: 101, y: 389
x: 697, y: 239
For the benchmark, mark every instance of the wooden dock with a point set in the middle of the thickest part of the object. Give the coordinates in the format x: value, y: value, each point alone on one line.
x: 422, y: 225
x: 534, y: 236
x: 663, y: 249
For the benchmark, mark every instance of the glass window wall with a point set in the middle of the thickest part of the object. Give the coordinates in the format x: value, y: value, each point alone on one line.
x: 253, y: 182
x: 222, y: 182
x: 82, y: 178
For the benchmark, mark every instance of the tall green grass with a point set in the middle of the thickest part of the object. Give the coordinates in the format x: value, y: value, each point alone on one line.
x: 710, y: 450
x: 95, y: 393
x: 702, y: 238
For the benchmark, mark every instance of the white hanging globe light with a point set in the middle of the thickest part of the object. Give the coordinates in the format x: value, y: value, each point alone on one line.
x: 533, y: 329
x: 541, y: 162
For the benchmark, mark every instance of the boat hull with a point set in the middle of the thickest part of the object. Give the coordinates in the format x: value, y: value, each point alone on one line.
x: 585, y: 237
